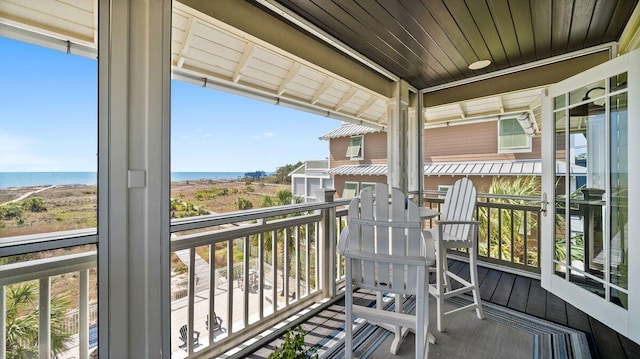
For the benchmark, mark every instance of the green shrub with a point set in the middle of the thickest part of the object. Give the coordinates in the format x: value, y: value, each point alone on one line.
x: 34, y: 204
x: 10, y: 211
x: 243, y: 203
x: 248, y: 189
x: 293, y: 346
x: 210, y: 193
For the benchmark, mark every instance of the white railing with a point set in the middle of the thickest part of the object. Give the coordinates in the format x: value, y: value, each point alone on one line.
x: 284, y: 262
x: 43, y: 270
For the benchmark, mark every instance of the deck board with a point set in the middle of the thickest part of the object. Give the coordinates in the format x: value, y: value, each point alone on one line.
x: 537, y: 300
x: 556, y: 309
x: 503, y: 290
x: 519, y: 294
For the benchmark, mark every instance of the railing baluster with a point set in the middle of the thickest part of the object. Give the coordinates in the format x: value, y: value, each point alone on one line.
x: 261, y: 273
x: 245, y: 282
x: 285, y: 271
x: 83, y: 320
x: 191, y: 299
x: 526, y: 237
x: 513, y: 236
x: 297, y: 262
x: 230, y: 281
x: 212, y: 292
x: 3, y: 319
x: 308, y: 258
x: 44, y: 327
x: 274, y: 270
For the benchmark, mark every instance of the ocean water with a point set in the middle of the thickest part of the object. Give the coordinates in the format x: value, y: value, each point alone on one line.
x: 30, y: 179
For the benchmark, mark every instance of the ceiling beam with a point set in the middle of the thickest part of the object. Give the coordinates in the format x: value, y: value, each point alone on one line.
x: 323, y: 88
x: 246, y: 55
x: 290, y: 75
x: 366, y: 106
x: 187, y: 40
x: 345, y: 98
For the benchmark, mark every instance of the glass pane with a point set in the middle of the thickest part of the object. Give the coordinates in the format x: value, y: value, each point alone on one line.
x: 619, y: 180
x: 560, y: 252
x: 591, y: 91
x: 559, y: 101
x: 618, y: 82
x: 48, y: 140
x: 587, y: 156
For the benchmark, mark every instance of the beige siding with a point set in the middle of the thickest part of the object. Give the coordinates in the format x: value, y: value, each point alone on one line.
x: 473, y: 142
x: 375, y: 150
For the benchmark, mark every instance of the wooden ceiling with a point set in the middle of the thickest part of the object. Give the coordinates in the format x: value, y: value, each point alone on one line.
x: 432, y: 42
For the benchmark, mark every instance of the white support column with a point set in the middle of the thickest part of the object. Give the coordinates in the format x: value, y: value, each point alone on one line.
x: 44, y: 318
x: 415, y: 164
x: 133, y: 181
x: 398, y: 114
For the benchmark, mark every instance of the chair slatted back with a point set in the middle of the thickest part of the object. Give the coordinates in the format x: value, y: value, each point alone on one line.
x: 458, y: 206
x: 380, y: 227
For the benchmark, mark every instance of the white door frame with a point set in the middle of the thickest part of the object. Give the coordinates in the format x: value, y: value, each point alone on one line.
x: 626, y: 322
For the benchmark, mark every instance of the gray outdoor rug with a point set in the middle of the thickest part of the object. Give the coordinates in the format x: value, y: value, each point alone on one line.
x: 504, y: 333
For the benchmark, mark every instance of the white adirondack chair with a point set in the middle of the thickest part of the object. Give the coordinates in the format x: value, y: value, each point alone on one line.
x: 456, y: 229
x: 385, y: 252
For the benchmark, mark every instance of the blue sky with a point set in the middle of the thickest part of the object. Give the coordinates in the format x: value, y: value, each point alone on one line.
x: 48, y: 120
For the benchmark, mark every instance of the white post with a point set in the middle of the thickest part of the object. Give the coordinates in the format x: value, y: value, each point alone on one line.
x: 397, y: 142
x: 3, y: 321
x: 44, y: 325
x: 134, y: 69
x: 83, y: 322
x: 327, y: 247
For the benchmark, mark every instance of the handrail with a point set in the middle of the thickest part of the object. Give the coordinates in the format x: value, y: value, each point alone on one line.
x: 46, y: 267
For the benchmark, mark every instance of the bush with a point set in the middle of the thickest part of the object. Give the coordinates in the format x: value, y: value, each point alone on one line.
x: 10, y: 211
x: 34, y: 204
x: 243, y: 203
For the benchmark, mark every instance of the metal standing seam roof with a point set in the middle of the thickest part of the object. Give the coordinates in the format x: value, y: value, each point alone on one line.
x: 349, y: 130
x: 360, y: 170
x: 465, y: 168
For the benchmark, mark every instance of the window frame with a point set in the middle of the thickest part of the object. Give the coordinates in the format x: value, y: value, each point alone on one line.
x: 344, y: 189
x: 513, y: 149
x: 360, y: 154
x: 364, y: 185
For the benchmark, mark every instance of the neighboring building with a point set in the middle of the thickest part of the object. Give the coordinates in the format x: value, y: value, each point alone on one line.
x: 308, y: 178
x: 481, y: 150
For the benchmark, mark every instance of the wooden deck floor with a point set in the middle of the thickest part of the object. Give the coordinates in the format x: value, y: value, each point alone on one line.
x: 526, y: 295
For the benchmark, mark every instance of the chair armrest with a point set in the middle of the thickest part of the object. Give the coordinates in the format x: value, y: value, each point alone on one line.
x: 342, y: 241
x: 428, y: 246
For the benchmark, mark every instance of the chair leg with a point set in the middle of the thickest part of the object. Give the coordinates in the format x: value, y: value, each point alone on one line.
x: 440, y: 284
x: 348, y: 328
x: 473, y: 269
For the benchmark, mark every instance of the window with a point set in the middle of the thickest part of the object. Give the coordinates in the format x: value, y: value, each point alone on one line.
x: 364, y: 185
x: 355, y: 149
x: 511, y: 136
x: 443, y: 188
x: 350, y: 189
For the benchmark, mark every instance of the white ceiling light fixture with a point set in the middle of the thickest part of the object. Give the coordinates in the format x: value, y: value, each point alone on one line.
x: 480, y: 64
